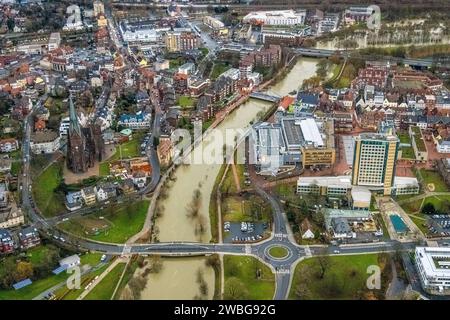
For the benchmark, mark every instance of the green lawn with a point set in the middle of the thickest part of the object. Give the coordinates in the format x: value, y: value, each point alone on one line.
x: 404, y: 137
x: 104, y: 169
x: 42, y: 285
x: 420, y: 221
x: 16, y: 164
x: 218, y: 69
x: 238, y: 209
x: 72, y: 294
x: 435, y: 178
x: 420, y: 144
x: 129, y: 149
x: 245, y: 268
x: 105, y: 289
x: 175, y: 63
x: 437, y: 201
x: 408, y: 153
x: 185, y: 101
x: 413, y: 206
x: 345, y: 278
x: 278, y: 252
x: 49, y: 202
x: 286, y: 190
x: 36, y: 254
x: 124, y: 221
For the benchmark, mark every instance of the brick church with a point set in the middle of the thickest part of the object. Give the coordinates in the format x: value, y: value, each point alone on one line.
x: 84, y: 144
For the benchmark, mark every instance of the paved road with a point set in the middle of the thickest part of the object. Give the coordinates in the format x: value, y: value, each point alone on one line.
x: 281, y: 236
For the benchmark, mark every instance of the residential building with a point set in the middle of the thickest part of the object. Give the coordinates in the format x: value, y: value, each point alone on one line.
x: 433, y: 267
x: 74, y: 200
x: 187, y: 68
x: 29, y: 238
x: 179, y: 41
x: 374, y: 161
x: 70, y: 261
x: 9, y: 145
x: 43, y: 142
x: 165, y: 150
x: 106, y: 191
x: 10, y: 214
x: 89, y: 195
x: 341, y: 224
x: 306, y: 229
x: 6, y: 241
x: 140, y: 120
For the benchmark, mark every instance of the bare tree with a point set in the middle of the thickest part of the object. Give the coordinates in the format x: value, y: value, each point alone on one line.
x: 324, y: 262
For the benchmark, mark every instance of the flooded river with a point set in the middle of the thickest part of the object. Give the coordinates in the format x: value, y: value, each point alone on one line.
x: 178, y: 280
x: 178, y: 277
x: 175, y: 225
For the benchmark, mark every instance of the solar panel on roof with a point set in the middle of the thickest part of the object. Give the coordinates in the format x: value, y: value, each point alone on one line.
x: 59, y: 269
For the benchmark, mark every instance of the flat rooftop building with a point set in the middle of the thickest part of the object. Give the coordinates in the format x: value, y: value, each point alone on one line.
x: 433, y: 267
x: 303, y: 140
x: 275, y: 17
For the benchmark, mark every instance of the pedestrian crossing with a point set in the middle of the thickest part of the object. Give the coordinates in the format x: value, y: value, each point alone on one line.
x: 280, y: 235
x: 283, y: 270
x: 126, y: 250
x: 308, y: 251
x: 248, y: 249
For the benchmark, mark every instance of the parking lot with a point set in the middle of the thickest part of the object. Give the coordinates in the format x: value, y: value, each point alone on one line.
x: 440, y: 225
x: 235, y: 233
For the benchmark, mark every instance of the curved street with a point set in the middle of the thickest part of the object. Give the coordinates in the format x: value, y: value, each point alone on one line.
x: 281, y: 234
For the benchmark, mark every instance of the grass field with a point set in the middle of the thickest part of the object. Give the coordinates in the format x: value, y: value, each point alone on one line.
x: 244, y: 268
x: 229, y: 185
x: 408, y: 153
x: 72, y: 294
x: 278, y: 252
x: 420, y: 221
x: 49, y: 202
x: 437, y: 201
x: 412, y: 207
x: 42, y: 285
x: 105, y: 289
x: 185, y: 101
x: 238, y: 209
x: 345, y: 278
x: 104, y: 169
x: 16, y: 164
x: 434, y: 177
x: 404, y: 137
x: 129, y: 149
x: 124, y: 221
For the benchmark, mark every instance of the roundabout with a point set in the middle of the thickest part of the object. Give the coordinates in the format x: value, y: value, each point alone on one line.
x: 278, y: 252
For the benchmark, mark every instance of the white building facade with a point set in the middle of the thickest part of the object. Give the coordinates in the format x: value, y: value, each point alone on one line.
x: 433, y: 267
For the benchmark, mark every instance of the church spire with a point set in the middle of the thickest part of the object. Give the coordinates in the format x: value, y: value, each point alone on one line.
x: 74, y: 124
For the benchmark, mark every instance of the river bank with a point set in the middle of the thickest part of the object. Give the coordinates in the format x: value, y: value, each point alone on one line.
x: 197, y: 181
